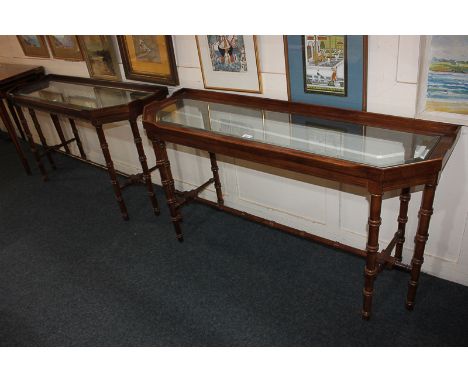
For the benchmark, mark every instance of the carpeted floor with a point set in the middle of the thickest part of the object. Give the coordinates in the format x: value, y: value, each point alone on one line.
x: 73, y: 273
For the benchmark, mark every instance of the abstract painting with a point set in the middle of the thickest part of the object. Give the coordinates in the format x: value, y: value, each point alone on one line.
x: 447, y: 80
x: 325, y: 64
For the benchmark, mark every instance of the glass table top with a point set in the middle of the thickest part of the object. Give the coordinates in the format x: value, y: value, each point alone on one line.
x: 369, y: 145
x: 86, y: 96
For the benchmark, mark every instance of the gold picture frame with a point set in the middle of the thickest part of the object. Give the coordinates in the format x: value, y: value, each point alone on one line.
x: 34, y: 46
x: 65, y: 47
x: 149, y: 58
x: 99, y: 54
x: 243, y: 66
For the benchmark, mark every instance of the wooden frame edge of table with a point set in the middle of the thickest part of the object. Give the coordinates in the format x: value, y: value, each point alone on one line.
x: 375, y: 180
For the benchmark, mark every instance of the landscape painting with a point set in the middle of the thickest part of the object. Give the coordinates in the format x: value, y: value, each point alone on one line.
x: 65, y: 47
x: 325, y: 64
x: 146, y: 49
x: 447, y: 82
x: 34, y: 46
x: 227, y: 53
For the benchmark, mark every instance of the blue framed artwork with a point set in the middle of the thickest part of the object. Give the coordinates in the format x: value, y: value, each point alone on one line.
x: 328, y: 70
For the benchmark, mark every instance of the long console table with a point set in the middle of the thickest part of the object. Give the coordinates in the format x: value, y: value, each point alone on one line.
x: 12, y: 75
x: 98, y: 102
x: 375, y: 151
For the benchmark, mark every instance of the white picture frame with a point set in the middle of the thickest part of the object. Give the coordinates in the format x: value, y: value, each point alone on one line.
x: 229, y: 62
x: 421, y: 111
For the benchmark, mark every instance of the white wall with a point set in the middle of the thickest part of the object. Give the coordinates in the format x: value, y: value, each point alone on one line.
x: 322, y: 207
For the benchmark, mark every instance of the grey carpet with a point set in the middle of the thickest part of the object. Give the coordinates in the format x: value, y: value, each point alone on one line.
x: 72, y: 273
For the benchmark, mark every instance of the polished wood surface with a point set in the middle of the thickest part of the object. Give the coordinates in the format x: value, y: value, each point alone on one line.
x: 376, y: 180
x: 11, y: 73
x: 98, y: 116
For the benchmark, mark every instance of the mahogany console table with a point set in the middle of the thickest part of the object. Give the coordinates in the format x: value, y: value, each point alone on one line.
x: 96, y: 101
x: 12, y: 75
x: 375, y: 151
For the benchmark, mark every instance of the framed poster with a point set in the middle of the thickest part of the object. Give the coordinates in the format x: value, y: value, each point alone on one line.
x: 149, y: 59
x: 34, y: 46
x: 100, y: 57
x: 446, y: 75
x: 229, y: 62
x: 65, y: 47
x: 329, y: 70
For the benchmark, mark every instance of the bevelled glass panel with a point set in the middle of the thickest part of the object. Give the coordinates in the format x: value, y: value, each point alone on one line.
x: 370, y: 145
x: 86, y: 96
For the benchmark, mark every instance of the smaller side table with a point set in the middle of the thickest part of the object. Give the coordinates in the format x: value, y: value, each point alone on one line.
x: 12, y: 75
x: 98, y: 102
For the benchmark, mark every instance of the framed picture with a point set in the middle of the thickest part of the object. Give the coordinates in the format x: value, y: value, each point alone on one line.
x: 325, y: 64
x: 65, y: 47
x: 149, y: 59
x: 229, y: 62
x: 100, y: 57
x: 329, y: 70
x: 445, y: 75
x: 34, y: 46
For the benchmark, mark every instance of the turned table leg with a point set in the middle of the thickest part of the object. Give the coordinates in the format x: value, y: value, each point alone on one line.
x: 15, y: 118
x: 32, y: 113
x: 32, y: 145
x: 405, y: 197
x: 420, y: 240
x: 77, y: 138
x: 58, y: 128
x: 111, y: 171
x: 372, y: 247
x: 11, y: 132
x: 144, y: 166
x: 167, y: 181
x: 217, y: 182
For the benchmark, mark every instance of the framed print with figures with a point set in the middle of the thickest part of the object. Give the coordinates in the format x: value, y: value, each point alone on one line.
x: 149, y: 59
x: 100, y: 57
x: 65, y: 47
x: 447, y: 74
x: 328, y: 70
x: 229, y: 62
x: 34, y: 46
x: 325, y: 64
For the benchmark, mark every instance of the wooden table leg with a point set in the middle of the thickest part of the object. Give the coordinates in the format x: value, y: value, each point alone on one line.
x: 41, y: 137
x: 420, y: 240
x: 15, y: 118
x: 217, y: 182
x: 405, y: 197
x: 144, y: 166
x: 77, y: 137
x: 167, y: 181
x: 12, y: 134
x: 111, y: 171
x: 32, y: 145
x: 58, y: 127
x: 370, y: 271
